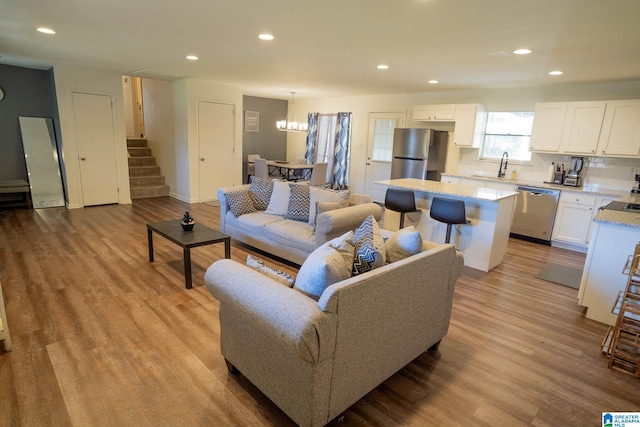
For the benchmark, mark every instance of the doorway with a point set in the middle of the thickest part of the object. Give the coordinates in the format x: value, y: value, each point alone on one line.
x: 379, y: 151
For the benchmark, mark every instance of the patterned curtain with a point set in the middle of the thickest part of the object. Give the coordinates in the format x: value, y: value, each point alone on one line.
x: 312, y: 138
x: 341, y: 152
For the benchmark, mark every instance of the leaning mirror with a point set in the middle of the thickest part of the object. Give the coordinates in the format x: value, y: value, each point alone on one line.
x: 41, y: 155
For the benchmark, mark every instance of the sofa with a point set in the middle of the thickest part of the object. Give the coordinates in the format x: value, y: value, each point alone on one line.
x: 290, y: 239
x: 315, y: 358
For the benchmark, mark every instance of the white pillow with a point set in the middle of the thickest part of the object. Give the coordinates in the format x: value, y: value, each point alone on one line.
x: 328, y: 264
x: 279, y: 202
x: 402, y: 244
x: 324, y: 195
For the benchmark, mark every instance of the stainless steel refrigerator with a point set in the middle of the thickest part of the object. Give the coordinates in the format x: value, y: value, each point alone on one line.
x: 418, y: 153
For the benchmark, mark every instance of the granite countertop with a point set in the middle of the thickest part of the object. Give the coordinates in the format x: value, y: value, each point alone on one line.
x: 590, y: 189
x: 625, y: 219
x: 462, y: 191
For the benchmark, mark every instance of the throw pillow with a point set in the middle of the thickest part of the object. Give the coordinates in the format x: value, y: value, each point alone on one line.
x: 328, y: 264
x: 368, y: 247
x: 260, y: 190
x: 322, y: 207
x: 298, y: 209
x: 277, y: 275
x: 240, y: 202
x: 324, y: 195
x: 279, y: 200
x: 402, y: 244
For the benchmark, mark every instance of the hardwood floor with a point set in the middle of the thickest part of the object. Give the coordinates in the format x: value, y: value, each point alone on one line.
x: 103, y: 337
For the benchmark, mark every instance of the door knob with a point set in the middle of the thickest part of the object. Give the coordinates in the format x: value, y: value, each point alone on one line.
x: 82, y: 158
x: 202, y: 159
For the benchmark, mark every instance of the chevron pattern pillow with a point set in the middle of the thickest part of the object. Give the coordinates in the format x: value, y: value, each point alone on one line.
x: 240, y: 202
x: 369, y: 247
x: 279, y: 276
x: 299, y: 201
x: 260, y: 190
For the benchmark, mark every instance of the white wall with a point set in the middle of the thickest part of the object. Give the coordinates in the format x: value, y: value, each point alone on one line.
x: 614, y: 173
x: 68, y: 80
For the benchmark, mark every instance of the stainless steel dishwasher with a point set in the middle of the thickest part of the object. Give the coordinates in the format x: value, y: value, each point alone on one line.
x: 534, y: 213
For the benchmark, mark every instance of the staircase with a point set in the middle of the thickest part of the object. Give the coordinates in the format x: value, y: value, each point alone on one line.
x: 144, y: 176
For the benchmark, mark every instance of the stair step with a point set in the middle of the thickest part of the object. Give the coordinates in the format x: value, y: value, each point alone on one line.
x: 136, y: 142
x: 144, y: 181
x: 149, y: 191
x: 142, y: 161
x: 139, y: 151
x: 144, y: 170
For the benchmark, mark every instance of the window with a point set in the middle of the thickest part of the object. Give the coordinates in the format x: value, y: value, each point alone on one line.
x: 510, y: 132
x: 383, y: 140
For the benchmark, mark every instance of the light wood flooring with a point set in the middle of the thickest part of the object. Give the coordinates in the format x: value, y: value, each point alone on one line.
x: 103, y: 337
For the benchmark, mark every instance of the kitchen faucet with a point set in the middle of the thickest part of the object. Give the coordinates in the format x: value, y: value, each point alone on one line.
x: 505, y: 159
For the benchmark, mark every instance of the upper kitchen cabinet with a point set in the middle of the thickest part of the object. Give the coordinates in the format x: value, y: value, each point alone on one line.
x: 469, y: 127
x: 620, y: 134
x: 548, y: 120
x: 581, y: 130
x: 434, y: 113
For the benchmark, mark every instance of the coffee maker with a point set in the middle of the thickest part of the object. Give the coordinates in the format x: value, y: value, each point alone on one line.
x: 573, y: 176
x: 636, y: 187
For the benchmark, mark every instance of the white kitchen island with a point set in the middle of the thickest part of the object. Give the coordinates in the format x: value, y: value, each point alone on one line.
x: 483, y: 241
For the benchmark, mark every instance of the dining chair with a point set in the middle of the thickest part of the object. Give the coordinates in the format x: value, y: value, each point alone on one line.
x: 261, y: 168
x: 251, y: 169
x: 319, y: 174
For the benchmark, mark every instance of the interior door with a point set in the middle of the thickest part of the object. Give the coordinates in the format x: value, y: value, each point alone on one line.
x: 215, y: 145
x: 96, y: 139
x: 379, y: 151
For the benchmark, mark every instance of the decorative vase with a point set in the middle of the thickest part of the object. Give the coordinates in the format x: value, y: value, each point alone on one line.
x: 187, y: 222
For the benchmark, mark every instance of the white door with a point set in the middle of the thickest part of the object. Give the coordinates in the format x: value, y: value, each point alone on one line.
x: 215, y: 145
x: 96, y: 138
x: 379, y: 149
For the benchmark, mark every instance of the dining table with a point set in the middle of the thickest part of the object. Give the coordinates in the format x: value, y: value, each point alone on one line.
x: 287, y: 170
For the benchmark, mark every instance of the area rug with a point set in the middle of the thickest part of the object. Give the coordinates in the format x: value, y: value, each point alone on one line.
x: 561, y: 274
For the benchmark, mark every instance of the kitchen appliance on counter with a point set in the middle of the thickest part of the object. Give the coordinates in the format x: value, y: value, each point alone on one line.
x: 573, y: 176
x: 418, y: 153
x: 558, y: 175
x: 534, y: 213
x: 636, y: 187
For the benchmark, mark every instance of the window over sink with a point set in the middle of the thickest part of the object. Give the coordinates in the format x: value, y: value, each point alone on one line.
x: 510, y: 132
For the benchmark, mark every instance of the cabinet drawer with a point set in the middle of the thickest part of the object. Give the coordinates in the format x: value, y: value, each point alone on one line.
x: 579, y: 198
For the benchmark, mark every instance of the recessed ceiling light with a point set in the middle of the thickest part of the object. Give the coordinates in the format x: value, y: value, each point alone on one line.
x: 556, y: 73
x: 383, y: 67
x: 265, y: 37
x: 433, y: 82
x: 522, y: 51
x: 192, y: 58
x: 46, y: 30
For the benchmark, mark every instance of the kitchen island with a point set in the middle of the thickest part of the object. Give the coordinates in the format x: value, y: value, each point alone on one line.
x: 483, y: 241
x: 614, y: 238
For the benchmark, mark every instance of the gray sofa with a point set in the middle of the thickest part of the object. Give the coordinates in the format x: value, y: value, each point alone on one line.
x: 314, y: 359
x: 289, y: 239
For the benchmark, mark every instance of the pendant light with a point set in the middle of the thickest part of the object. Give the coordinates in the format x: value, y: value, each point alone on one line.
x: 290, y: 124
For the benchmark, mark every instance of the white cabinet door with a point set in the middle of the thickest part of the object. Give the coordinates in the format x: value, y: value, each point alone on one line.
x: 500, y: 186
x: 620, y: 134
x: 572, y: 223
x: 449, y: 179
x: 581, y: 129
x: 434, y: 113
x: 548, y: 121
x: 469, y: 127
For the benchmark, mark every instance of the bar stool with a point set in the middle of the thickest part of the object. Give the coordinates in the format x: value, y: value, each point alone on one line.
x: 402, y: 201
x: 448, y: 211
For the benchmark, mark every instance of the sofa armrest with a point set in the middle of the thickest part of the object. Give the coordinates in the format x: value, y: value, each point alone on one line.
x: 224, y: 203
x: 281, y: 314
x: 332, y: 224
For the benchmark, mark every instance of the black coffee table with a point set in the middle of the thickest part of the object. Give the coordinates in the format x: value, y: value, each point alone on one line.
x: 199, y: 236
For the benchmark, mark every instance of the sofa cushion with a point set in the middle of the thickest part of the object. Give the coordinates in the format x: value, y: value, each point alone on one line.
x: 260, y: 190
x: 279, y: 276
x: 328, y: 264
x: 289, y: 233
x: 402, y: 244
x: 319, y: 194
x: 298, y: 209
x: 240, y: 202
x: 368, y: 247
x: 322, y: 207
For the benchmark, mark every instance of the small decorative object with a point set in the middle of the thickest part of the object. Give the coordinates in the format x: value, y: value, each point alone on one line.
x: 187, y: 222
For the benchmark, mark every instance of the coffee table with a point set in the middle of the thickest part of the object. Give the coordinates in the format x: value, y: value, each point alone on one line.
x: 200, y: 236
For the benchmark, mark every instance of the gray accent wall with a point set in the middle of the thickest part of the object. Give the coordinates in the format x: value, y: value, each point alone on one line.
x: 28, y: 93
x: 268, y: 142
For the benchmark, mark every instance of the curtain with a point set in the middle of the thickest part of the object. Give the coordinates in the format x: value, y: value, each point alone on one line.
x: 328, y: 141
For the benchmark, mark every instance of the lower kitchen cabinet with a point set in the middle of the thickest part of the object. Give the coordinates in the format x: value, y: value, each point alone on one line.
x: 574, y: 217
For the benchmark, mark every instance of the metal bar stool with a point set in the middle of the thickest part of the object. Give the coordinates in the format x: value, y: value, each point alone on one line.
x: 402, y: 201
x: 448, y: 211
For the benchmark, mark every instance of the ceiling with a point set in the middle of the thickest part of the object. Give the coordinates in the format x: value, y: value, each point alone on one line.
x: 332, y: 47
